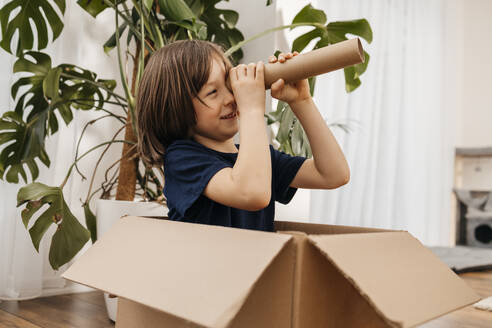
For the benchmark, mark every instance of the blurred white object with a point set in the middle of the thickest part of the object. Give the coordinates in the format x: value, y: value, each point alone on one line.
x: 485, y: 304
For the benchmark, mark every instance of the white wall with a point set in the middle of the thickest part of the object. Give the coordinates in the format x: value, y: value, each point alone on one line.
x: 467, y: 89
x: 254, y: 18
x: 474, y: 90
x: 474, y: 119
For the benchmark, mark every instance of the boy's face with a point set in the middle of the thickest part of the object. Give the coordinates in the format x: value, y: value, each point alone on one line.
x: 216, y: 117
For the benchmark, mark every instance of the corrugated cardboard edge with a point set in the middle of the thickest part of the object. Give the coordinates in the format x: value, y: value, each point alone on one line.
x: 295, y: 282
x: 121, y: 315
x: 452, y: 310
x: 226, y: 318
x: 389, y: 322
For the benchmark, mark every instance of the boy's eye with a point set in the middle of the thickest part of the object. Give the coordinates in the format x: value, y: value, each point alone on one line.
x: 212, y: 92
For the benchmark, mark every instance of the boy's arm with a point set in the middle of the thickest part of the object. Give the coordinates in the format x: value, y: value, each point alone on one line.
x: 247, y: 185
x: 328, y: 169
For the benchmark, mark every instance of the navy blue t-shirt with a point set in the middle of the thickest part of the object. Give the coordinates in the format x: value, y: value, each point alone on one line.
x: 189, y: 166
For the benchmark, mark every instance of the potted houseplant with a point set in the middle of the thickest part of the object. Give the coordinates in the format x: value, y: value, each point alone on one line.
x: 45, y: 89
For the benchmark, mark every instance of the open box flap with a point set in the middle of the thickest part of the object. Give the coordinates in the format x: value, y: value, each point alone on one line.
x: 404, y: 281
x: 202, y: 274
x: 321, y: 229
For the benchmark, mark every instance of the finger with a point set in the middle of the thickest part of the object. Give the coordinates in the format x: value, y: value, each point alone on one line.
x: 272, y: 59
x: 251, y: 70
x: 241, y: 70
x: 277, y: 85
x: 260, y: 71
x: 233, y: 74
x: 281, y: 57
x: 295, y: 53
x: 289, y: 55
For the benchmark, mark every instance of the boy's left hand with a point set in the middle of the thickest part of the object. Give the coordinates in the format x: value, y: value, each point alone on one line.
x: 291, y: 92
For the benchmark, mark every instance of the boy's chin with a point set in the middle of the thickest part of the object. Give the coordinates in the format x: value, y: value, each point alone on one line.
x: 231, y: 135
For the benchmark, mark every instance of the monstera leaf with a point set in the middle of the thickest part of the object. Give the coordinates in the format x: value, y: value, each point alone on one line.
x: 135, y: 18
x: 221, y: 27
x: 95, y: 7
x: 25, y: 142
x: 308, y: 14
x: 90, y: 222
x: 332, y: 33
x: 111, y: 42
x: 176, y: 10
x: 49, y: 89
x: 70, y: 235
x: 290, y: 135
x: 182, y: 19
x: 40, y: 12
x: 82, y: 89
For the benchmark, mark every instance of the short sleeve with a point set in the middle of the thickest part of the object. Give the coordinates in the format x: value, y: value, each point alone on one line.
x: 188, y: 169
x: 285, y: 168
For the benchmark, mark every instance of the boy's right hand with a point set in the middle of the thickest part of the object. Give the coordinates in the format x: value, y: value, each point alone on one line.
x: 248, y: 86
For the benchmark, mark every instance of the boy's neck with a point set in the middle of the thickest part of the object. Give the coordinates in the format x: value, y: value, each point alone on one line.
x: 226, y: 146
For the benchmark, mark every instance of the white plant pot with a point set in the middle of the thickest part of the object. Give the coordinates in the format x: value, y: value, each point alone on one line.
x: 110, y: 211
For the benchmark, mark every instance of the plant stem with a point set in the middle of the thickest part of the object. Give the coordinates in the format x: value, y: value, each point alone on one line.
x: 119, y: 160
x: 107, y: 186
x: 104, y: 100
x: 129, y: 164
x: 93, y: 193
x: 127, y: 19
x: 142, y: 55
x: 156, y: 33
x: 99, y: 161
x: 118, y: 117
x: 80, y: 139
x: 83, y: 155
x: 129, y: 96
x: 236, y: 47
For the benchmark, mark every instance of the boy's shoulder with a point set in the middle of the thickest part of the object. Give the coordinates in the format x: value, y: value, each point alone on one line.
x: 182, y: 149
x: 193, y: 150
x: 185, y: 145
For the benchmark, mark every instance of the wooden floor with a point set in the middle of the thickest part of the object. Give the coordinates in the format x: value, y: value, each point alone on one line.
x: 87, y: 310
x: 82, y: 310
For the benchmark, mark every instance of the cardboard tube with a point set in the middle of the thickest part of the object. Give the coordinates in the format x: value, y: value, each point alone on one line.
x: 316, y: 62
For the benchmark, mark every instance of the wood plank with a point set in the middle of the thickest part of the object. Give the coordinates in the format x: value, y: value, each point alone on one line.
x: 59, y: 312
x: 8, y: 320
x: 96, y: 298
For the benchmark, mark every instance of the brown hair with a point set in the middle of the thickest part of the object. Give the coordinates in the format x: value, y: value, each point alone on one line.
x: 173, y: 76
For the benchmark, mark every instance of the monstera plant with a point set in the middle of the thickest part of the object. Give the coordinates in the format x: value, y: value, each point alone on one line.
x: 45, y: 91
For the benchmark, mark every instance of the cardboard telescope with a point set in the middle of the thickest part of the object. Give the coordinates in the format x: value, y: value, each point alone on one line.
x: 316, y: 62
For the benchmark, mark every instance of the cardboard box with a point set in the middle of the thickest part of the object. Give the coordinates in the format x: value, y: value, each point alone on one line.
x: 172, y: 274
